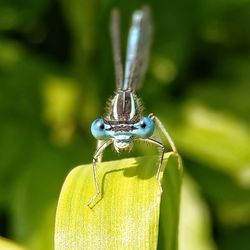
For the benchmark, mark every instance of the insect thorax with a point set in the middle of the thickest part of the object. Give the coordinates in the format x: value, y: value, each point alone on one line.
x: 124, y: 107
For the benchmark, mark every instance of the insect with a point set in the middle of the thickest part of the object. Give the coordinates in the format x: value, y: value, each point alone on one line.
x: 124, y: 123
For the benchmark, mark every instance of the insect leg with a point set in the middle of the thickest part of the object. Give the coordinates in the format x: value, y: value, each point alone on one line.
x: 162, y: 149
x: 163, y: 130
x: 98, y: 153
x: 98, y: 145
x: 160, y: 126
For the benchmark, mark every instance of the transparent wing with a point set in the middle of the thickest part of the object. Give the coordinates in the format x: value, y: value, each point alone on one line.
x: 139, y: 41
x: 115, y: 37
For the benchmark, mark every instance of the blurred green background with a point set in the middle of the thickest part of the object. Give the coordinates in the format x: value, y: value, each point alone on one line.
x: 56, y: 73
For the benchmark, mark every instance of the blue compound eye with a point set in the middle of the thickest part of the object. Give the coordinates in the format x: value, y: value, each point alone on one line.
x: 98, y: 129
x: 145, y: 127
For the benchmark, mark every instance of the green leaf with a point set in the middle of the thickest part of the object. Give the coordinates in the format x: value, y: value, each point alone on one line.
x: 126, y: 214
x: 6, y: 244
x: 194, y: 211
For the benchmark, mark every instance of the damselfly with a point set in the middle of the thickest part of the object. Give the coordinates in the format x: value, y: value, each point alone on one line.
x: 124, y: 122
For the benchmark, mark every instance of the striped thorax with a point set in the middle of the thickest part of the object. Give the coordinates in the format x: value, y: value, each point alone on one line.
x: 125, y: 112
x: 125, y: 107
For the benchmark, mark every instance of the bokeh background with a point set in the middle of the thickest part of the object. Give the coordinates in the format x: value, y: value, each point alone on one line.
x: 56, y: 72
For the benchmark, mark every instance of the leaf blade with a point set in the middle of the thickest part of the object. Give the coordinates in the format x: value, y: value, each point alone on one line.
x: 6, y: 244
x: 126, y: 217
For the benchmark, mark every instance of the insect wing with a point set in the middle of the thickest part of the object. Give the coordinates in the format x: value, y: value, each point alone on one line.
x: 139, y: 41
x: 115, y: 37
